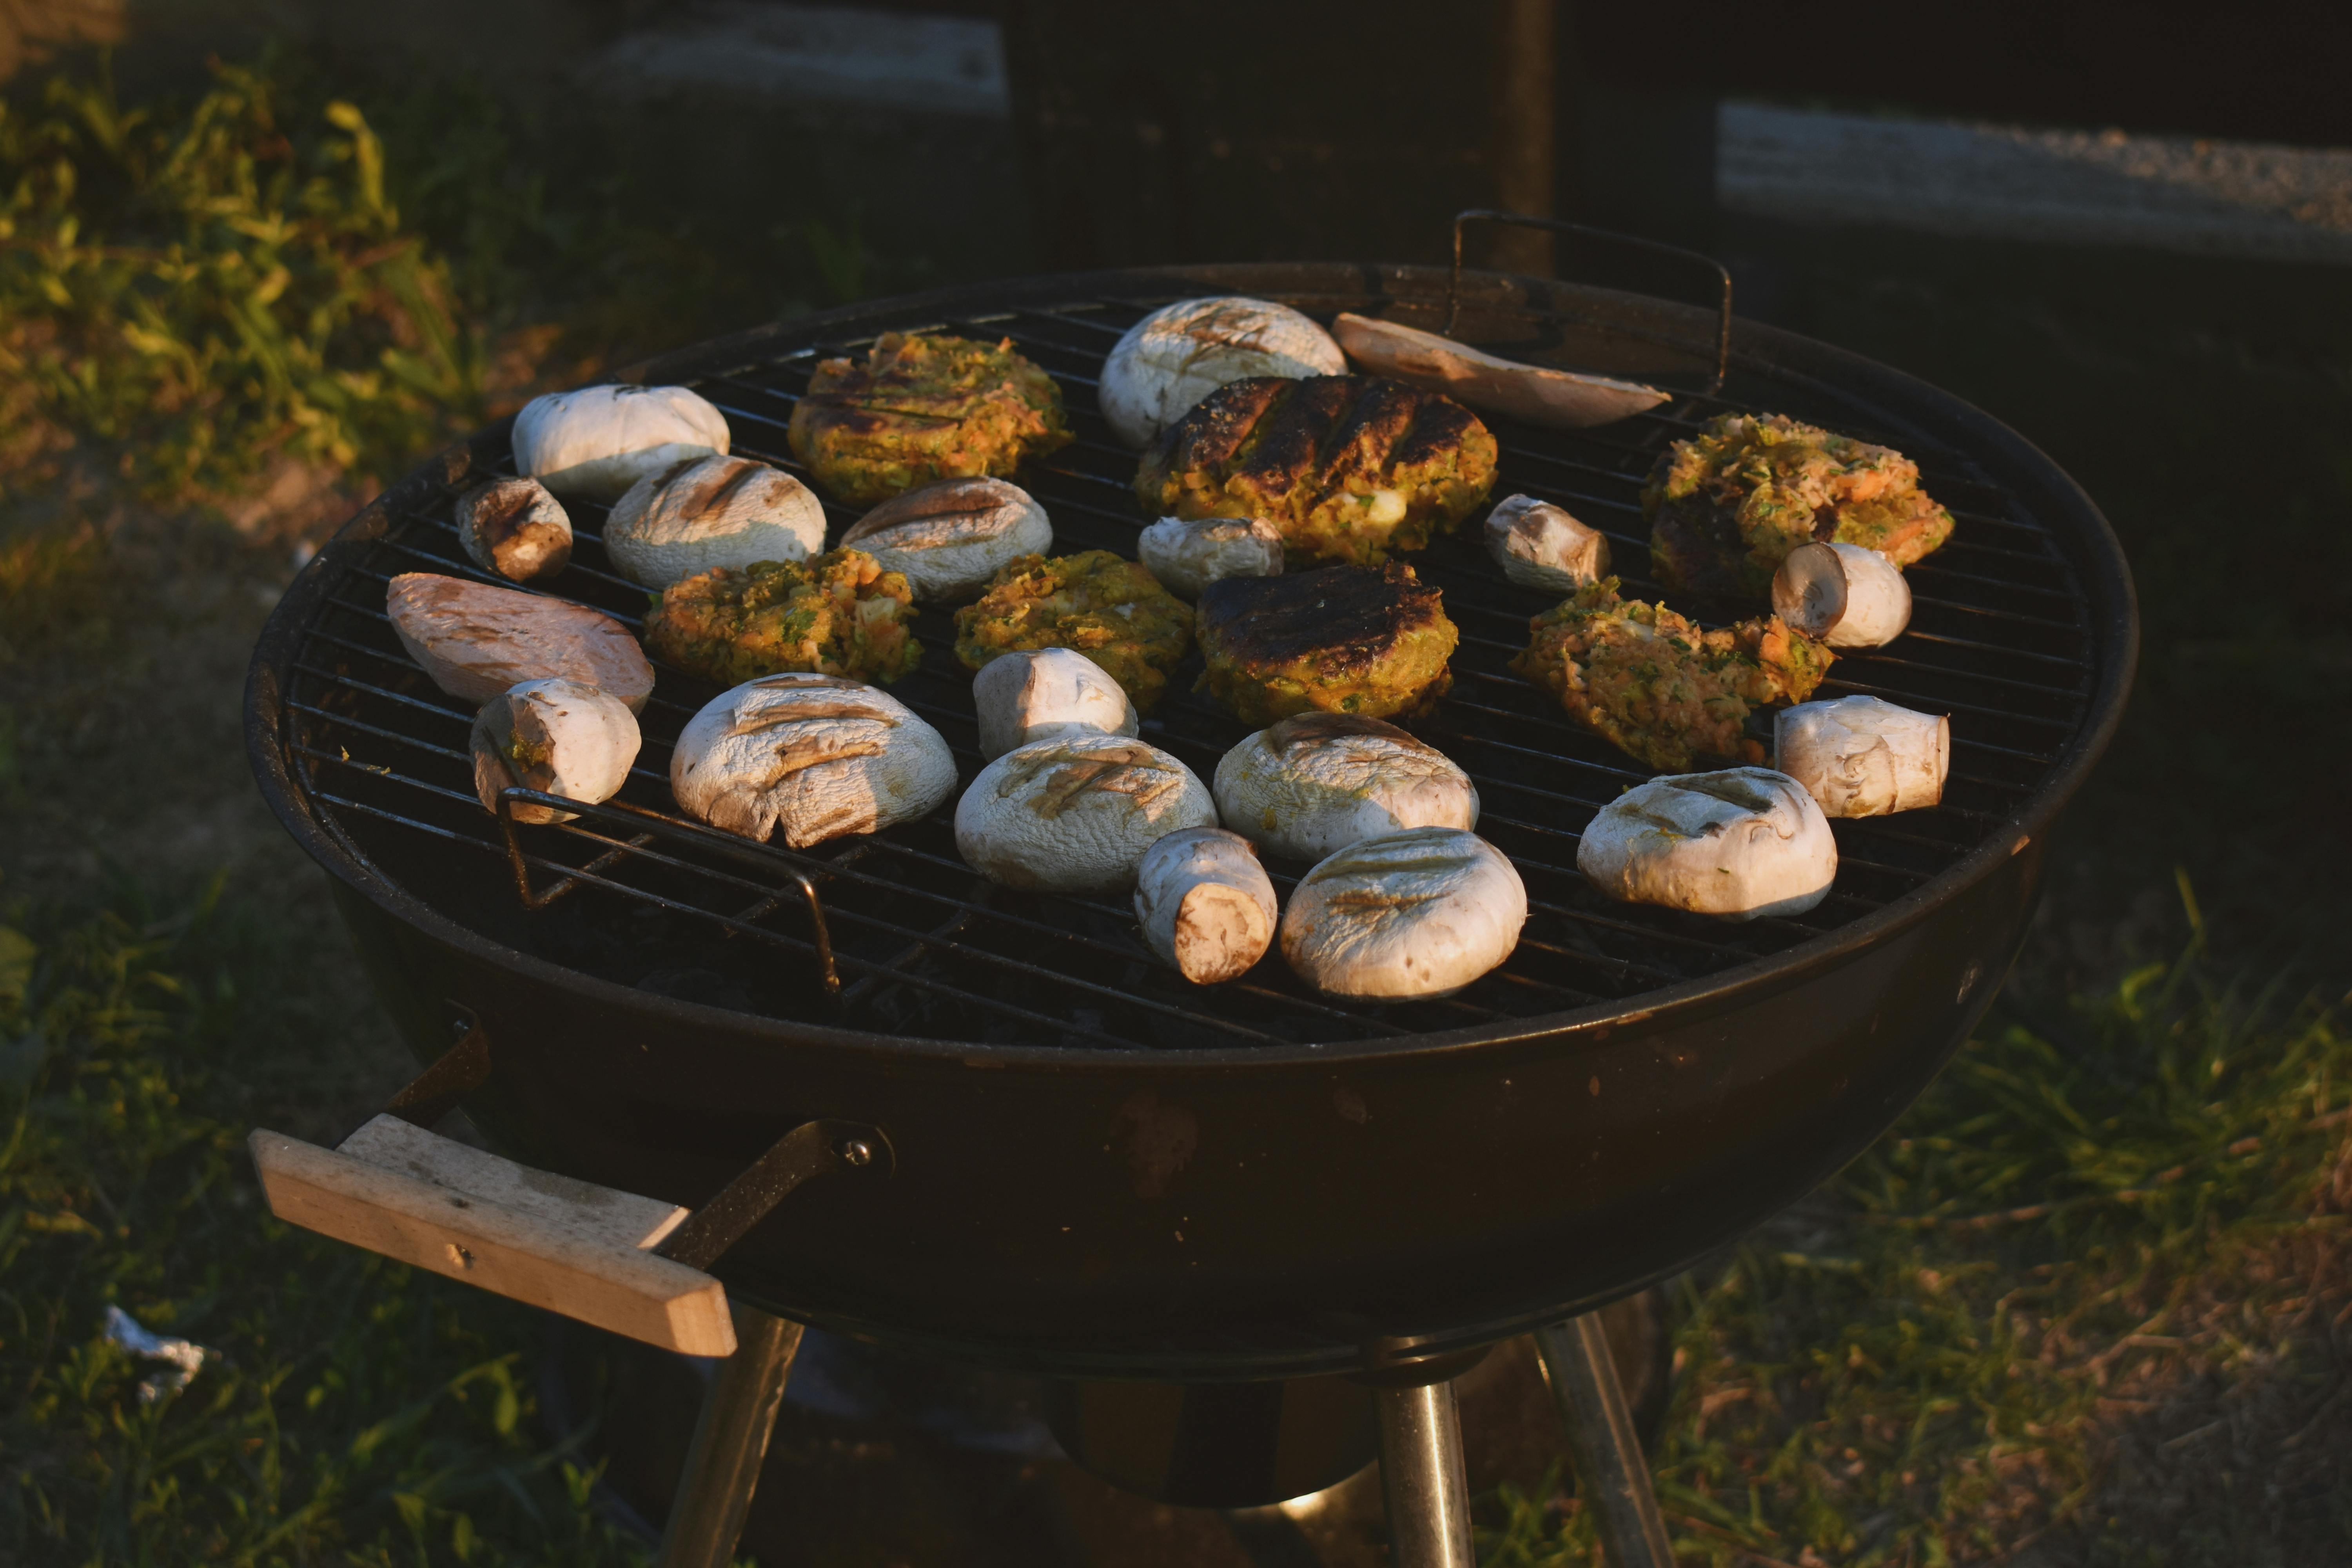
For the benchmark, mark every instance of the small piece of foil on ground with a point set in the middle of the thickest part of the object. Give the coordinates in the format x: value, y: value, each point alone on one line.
x: 184, y: 1356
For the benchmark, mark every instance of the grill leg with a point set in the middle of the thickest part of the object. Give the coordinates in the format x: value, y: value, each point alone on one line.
x: 1421, y: 1476
x: 1610, y: 1463
x: 731, y: 1439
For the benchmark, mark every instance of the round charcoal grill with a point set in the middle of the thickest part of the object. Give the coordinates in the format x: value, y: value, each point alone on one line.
x: 1099, y: 1168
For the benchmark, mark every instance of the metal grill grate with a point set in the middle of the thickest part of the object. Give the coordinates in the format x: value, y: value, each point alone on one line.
x: 636, y: 893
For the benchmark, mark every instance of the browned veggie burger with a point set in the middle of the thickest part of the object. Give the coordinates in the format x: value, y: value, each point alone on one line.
x: 1349, y: 468
x: 1368, y: 640
x: 1672, y: 696
x: 1725, y: 506
x: 922, y: 407
x: 839, y: 614
x: 1113, y: 611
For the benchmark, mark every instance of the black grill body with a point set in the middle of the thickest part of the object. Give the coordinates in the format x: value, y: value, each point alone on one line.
x: 1099, y: 1171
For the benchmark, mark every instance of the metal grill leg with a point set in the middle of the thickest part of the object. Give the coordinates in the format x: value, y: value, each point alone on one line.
x: 731, y: 1439
x: 1421, y: 1476
x: 1614, y: 1472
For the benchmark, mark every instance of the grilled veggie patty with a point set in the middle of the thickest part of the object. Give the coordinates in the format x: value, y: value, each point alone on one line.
x: 837, y: 615
x: 923, y: 408
x: 1371, y: 640
x: 1727, y: 505
x: 1113, y: 611
x: 1671, y: 695
x: 1351, y: 468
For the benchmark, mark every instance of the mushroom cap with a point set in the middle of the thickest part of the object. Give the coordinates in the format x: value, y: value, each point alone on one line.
x: 1076, y: 813
x: 557, y: 736
x: 1309, y: 785
x: 476, y: 640
x: 1859, y: 756
x: 815, y: 756
x: 514, y: 528
x: 1419, y: 913
x: 1047, y: 691
x: 949, y: 537
x: 1187, y: 554
x: 702, y: 513
x: 1540, y: 545
x: 597, y: 441
x: 1844, y: 595
x: 1205, y: 906
x: 1181, y: 353
x: 1736, y: 845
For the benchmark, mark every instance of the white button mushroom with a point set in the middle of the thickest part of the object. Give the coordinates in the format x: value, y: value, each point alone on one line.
x: 815, y: 756
x: 598, y: 441
x: 1181, y: 353
x: 1318, y: 783
x: 1026, y: 697
x: 949, y: 537
x: 1404, y: 916
x: 1860, y: 757
x: 476, y: 640
x: 1074, y: 813
x: 1736, y: 845
x: 1540, y: 545
x: 514, y: 528
x: 1187, y: 554
x: 702, y: 513
x: 558, y: 737
x: 1843, y: 594
x: 1205, y: 905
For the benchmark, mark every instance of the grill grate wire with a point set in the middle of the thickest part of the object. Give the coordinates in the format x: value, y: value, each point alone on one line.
x: 1998, y: 639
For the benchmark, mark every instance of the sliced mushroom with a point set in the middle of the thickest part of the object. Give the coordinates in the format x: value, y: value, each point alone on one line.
x: 703, y: 513
x: 1736, y: 845
x: 1841, y: 593
x: 1074, y: 813
x: 1404, y: 916
x: 1187, y: 554
x: 950, y: 538
x: 1860, y: 757
x: 1034, y: 696
x: 1181, y: 353
x: 596, y: 442
x: 476, y: 640
x: 1540, y: 545
x: 1316, y: 783
x: 558, y: 737
x: 1205, y: 905
x: 514, y: 528
x: 1558, y: 398
x: 814, y: 755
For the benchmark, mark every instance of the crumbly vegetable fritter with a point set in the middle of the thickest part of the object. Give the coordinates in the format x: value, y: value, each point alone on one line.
x: 1351, y: 468
x: 924, y: 407
x: 839, y: 614
x: 1727, y: 505
x: 1674, y: 696
x: 1372, y: 641
x: 1113, y: 611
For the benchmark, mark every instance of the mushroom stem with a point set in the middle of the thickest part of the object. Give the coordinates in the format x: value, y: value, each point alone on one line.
x: 1860, y: 757
x: 1205, y: 904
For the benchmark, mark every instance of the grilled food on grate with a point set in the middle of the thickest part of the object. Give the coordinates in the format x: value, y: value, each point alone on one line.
x: 923, y: 407
x: 1349, y: 468
x: 702, y: 513
x: 1179, y: 354
x: 1347, y: 639
x: 516, y: 529
x: 1113, y: 611
x: 838, y: 615
x: 1845, y: 595
x: 597, y: 441
x: 1187, y: 554
x: 1034, y: 695
x: 1860, y: 757
x: 1735, y: 845
x: 950, y: 538
x: 1540, y: 545
x: 1727, y: 505
x: 476, y: 640
x: 556, y: 736
x: 1404, y: 916
x: 1076, y: 813
x: 1313, y: 785
x: 815, y: 756
x: 1204, y: 904
x: 1670, y: 694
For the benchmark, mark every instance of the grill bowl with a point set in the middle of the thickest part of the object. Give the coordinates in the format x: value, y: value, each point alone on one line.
x: 1097, y: 1171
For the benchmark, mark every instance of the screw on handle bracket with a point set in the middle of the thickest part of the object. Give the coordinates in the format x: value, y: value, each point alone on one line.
x: 1526, y: 220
